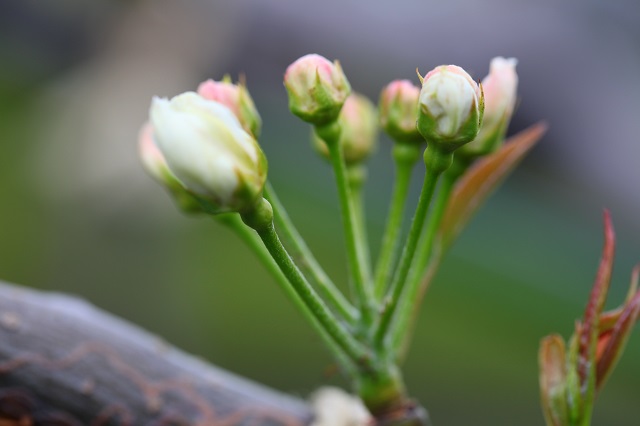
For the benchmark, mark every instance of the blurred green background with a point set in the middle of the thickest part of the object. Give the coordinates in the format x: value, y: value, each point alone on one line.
x: 78, y: 215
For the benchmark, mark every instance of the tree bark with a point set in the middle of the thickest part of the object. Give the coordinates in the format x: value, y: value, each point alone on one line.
x: 64, y: 362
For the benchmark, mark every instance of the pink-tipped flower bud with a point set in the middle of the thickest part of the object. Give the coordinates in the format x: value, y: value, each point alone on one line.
x: 358, y: 130
x: 235, y: 97
x: 451, y: 107
x: 209, y: 152
x: 317, y: 89
x: 152, y: 159
x: 156, y: 166
x: 500, y: 88
x: 399, y: 111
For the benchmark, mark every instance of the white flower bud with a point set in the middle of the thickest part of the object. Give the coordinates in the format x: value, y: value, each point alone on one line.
x: 451, y: 107
x: 335, y: 407
x: 500, y: 88
x: 152, y: 159
x: 209, y: 152
x: 156, y: 166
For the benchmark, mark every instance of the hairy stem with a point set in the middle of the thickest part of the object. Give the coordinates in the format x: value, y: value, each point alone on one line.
x: 411, y: 300
x: 437, y: 162
x: 355, y: 255
x: 252, y: 240
x: 405, y: 156
x: 305, y: 260
x: 261, y: 219
x: 357, y: 175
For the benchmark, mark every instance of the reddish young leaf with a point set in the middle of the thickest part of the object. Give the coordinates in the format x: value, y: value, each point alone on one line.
x: 611, y: 342
x: 589, y: 330
x: 483, y: 178
x: 609, y: 319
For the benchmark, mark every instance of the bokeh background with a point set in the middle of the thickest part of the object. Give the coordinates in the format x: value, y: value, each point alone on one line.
x: 78, y: 215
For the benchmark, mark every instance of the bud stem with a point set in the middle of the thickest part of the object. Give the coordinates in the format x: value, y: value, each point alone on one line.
x: 411, y: 301
x: 356, y: 176
x: 334, y: 328
x: 356, y: 256
x: 437, y: 161
x: 405, y: 156
x: 305, y: 259
x: 250, y: 238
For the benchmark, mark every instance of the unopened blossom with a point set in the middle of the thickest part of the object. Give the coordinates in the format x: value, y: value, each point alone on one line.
x: 317, y: 89
x: 399, y: 111
x: 156, y: 166
x: 335, y: 407
x: 152, y: 159
x: 451, y: 107
x: 500, y: 90
x: 209, y: 152
x: 236, y: 97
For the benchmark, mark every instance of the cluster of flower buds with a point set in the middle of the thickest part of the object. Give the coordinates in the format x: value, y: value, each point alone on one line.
x: 207, y: 141
x: 203, y: 148
x: 570, y: 379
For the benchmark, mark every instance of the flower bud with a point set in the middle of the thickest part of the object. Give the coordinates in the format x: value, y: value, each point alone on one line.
x: 156, y: 166
x: 317, y: 89
x: 399, y: 111
x: 499, y: 89
x: 358, y: 130
x: 152, y: 159
x: 235, y: 97
x: 451, y: 107
x: 335, y: 407
x: 209, y: 152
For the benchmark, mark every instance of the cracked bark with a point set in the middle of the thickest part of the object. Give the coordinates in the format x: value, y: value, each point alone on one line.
x: 63, y: 362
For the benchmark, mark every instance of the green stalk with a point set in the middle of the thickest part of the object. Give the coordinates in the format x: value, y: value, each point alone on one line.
x: 250, y: 238
x: 411, y: 300
x: 437, y: 162
x: 355, y: 255
x: 426, y: 241
x: 261, y: 219
x: 305, y: 259
x: 357, y: 175
x: 401, y: 341
x: 427, y: 261
x: 405, y: 156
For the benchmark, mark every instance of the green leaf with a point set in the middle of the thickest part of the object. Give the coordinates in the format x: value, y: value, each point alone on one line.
x: 483, y: 178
